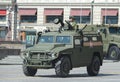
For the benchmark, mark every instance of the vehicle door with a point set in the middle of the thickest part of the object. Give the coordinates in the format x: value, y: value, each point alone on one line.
x: 80, y: 51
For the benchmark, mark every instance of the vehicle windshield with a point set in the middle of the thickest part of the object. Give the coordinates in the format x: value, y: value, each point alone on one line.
x: 63, y: 39
x: 46, y: 39
x: 52, y: 39
x: 114, y: 30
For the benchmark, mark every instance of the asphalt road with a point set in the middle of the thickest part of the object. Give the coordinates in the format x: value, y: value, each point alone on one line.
x: 109, y: 72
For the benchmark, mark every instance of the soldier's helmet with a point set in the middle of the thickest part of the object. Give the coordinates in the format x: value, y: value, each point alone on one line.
x: 71, y: 17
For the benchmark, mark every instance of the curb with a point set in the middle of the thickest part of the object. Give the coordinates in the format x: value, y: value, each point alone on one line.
x: 110, y: 61
x: 10, y: 64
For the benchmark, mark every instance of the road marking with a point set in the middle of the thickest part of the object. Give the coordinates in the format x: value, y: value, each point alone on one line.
x: 110, y: 73
x: 16, y: 78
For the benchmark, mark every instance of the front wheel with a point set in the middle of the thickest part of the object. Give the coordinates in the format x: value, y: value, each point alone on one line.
x: 62, y: 67
x: 114, y: 53
x: 29, y: 71
x: 93, y: 68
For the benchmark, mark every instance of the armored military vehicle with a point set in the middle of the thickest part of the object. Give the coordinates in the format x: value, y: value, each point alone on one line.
x: 111, y: 41
x: 64, y: 50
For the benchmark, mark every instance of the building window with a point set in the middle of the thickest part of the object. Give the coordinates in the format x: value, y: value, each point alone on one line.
x: 2, y: 18
x: 82, y: 19
x: 28, y: 19
x: 50, y: 19
x: 109, y: 16
x: 81, y: 15
x: 2, y: 34
x: 51, y: 14
x: 110, y: 19
x: 28, y: 15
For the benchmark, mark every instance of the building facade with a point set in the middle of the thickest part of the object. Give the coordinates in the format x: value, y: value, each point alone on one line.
x: 36, y: 15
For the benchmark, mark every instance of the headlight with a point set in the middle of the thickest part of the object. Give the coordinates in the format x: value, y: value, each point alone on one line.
x: 24, y: 55
x: 27, y: 54
x: 51, y: 54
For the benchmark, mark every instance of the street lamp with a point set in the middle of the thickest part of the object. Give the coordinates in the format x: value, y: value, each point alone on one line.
x: 81, y: 13
x: 92, y: 12
x: 14, y: 8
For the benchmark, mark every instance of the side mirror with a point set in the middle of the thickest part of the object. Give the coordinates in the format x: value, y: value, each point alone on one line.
x: 102, y: 31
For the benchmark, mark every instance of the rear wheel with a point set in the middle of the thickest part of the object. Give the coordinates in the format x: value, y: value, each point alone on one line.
x: 114, y: 53
x: 29, y: 71
x: 62, y: 67
x: 93, y: 68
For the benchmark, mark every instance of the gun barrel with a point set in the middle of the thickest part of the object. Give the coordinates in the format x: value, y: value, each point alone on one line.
x: 84, y: 27
x: 61, y: 22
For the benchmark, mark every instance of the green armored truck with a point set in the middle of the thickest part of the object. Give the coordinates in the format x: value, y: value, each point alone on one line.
x: 111, y: 41
x: 64, y: 50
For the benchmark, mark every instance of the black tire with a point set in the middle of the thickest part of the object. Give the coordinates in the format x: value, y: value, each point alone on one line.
x: 114, y: 53
x: 28, y: 71
x: 94, y: 67
x: 62, y: 67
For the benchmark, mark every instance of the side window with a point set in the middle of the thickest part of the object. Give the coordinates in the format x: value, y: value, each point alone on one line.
x: 86, y: 39
x: 94, y: 39
x: 77, y: 42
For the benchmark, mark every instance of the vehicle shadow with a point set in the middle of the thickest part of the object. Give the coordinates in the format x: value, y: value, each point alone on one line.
x: 75, y: 75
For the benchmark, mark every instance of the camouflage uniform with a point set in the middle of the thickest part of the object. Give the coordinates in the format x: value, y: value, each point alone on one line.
x: 74, y: 25
x: 72, y: 22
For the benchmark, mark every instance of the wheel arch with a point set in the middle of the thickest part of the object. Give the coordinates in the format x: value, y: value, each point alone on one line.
x: 110, y: 45
x: 64, y: 55
x: 117, y: 50
x: 98, y: 55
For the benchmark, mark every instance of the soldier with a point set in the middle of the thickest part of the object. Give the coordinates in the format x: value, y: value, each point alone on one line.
x: 72, y: 22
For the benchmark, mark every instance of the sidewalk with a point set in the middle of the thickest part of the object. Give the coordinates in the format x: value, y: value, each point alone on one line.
x: 11, y: 60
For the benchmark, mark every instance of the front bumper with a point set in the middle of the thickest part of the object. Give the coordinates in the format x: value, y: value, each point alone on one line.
x: 43, y: 63
x: 38, y: 59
